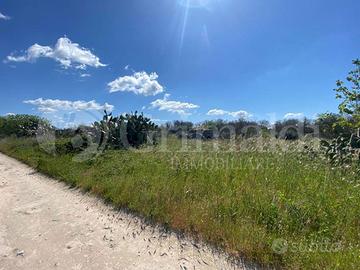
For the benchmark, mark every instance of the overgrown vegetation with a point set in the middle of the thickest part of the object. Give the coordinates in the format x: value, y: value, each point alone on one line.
x: 124, y: 131
x: 21, y: 125
x: 239, y: 201
x: 345, y: 149
x: 350, y: 98
x: 264, y: 192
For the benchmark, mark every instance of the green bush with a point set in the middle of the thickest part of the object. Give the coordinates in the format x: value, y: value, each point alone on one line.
x: 342, y: 150
x: 330, y: 126
x: 124, y: 131
x: 21, y: 125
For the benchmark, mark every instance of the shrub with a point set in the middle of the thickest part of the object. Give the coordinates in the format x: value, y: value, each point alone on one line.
x: 21, y: 125
x: 124, y: 131
x: 330, y: 127
x: 349, y: 94
x: 342, y: 150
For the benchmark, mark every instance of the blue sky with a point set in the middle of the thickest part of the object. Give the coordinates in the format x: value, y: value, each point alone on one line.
x: 175, y: 59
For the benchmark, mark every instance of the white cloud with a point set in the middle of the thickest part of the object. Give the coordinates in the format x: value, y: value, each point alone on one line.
x: 155, y: 120
x: 54, y: 105
x: 236, y: 114
x: 159, y: 121
x: 240, y: 114
x: 182, y: 108
x: 140, y: 83
x: 217, y: 112
x: 67, y: 53
x: 10, y: 114
x: 4, y: 17
x: 294, y: 116
x: 46, y: 109
x: 84, y: 75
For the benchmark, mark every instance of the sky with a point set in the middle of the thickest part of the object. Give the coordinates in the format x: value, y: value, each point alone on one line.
x: 175, y: 59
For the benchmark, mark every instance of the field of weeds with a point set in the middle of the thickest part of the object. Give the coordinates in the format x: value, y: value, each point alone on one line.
x: 273, y: 202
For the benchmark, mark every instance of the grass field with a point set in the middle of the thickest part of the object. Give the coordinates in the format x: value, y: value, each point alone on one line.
x: 280, y: 208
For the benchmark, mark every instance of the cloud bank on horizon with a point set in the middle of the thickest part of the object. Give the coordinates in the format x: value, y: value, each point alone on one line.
x: 237, y: 114
x: 54, y: 105
x: 294, y: 116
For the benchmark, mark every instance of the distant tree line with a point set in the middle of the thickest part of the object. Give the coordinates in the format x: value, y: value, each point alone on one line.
x: 325, y: 126
x: 328, y: 126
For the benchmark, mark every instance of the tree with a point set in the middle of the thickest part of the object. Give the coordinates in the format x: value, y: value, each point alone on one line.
x: 350, y: 96
x: 21, y: 125
x: 329, y: 126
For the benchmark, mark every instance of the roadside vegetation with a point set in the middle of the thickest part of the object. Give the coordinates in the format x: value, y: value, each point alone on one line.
x: 283, y: 195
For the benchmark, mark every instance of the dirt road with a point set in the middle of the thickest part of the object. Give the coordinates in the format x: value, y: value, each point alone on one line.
x: 45, y: 225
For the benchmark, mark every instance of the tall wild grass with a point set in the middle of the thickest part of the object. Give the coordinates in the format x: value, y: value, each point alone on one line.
x: 272, y: 202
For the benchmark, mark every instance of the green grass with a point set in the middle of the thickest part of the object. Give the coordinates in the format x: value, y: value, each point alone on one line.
x: 238, y: 201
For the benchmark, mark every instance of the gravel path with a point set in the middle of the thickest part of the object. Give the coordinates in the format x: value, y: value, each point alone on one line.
x: 46, y: 225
